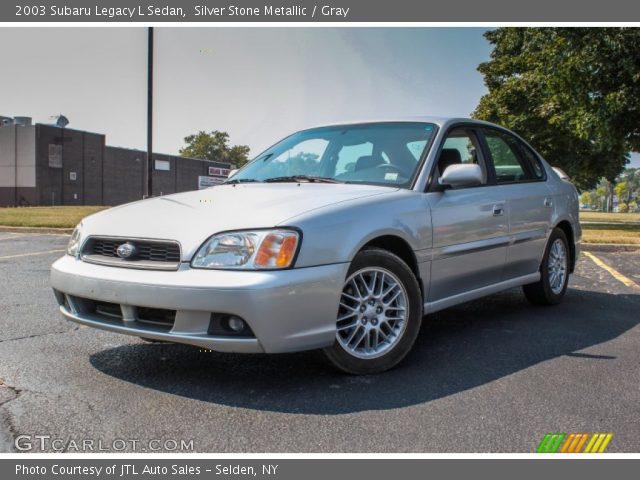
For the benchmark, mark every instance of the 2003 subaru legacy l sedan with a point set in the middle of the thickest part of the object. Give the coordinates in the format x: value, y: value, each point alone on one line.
x: 340, y: 237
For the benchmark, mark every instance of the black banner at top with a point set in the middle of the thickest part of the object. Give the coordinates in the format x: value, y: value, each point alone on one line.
x: 319, y: 11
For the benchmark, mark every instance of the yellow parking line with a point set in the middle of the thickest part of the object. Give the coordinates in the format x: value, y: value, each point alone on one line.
x: 30, y: 254
x: 614, y: 273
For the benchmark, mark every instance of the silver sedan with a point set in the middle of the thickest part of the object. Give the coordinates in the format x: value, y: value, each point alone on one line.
x: 340, y: 237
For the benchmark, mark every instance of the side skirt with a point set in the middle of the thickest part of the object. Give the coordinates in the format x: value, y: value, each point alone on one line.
x: 431, y: 307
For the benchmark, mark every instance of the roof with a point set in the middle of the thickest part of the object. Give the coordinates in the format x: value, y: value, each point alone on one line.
x: 437, y: 120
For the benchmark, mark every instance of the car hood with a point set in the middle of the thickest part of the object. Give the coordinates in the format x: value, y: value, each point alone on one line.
x: 192, y: 217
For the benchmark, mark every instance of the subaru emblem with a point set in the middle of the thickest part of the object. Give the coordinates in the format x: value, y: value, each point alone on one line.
x: 126, y: 250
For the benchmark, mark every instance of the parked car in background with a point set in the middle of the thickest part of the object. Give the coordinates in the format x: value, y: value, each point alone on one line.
x: 341, y: 237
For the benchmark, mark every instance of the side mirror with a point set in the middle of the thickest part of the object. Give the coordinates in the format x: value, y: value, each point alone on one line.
x: 461, y: 175
x: 232, y: 172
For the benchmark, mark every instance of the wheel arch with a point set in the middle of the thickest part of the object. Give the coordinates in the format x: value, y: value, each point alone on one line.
x: 566, y: 227
x: 400, y: 247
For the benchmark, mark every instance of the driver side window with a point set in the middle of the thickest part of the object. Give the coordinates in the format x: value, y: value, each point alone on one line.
x: 460, y: 146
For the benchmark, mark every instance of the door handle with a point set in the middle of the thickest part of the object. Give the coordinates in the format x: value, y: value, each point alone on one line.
x: 498, y: 210
x: 548, y: 202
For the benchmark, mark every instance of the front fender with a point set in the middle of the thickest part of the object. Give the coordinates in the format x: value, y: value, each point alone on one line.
x: 335, y: 234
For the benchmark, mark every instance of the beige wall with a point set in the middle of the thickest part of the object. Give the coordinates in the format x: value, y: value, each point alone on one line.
x: 18, y: 142
x: 7, y: 157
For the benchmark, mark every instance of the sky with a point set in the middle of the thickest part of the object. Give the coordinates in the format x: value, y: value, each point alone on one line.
x: 257, y: 84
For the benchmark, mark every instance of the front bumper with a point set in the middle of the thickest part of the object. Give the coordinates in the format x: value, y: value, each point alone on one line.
x: 287, y: 310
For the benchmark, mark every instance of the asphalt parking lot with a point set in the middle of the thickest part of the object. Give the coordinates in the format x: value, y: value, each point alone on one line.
x: 492, y: 375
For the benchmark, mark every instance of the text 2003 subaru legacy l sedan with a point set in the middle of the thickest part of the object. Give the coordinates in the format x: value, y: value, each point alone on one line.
x: 338, y: 237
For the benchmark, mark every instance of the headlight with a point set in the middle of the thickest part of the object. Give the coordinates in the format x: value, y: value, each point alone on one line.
x: 248, y: 250
x: 74, y: 242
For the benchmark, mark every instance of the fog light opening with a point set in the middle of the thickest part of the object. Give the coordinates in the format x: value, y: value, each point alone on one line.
x: 222, y: 324
x: 236, y: 324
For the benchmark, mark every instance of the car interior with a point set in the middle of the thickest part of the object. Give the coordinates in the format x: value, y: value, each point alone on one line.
x: 460, y: 147
x: 390, y: 160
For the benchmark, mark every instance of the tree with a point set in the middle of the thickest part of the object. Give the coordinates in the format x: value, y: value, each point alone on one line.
x: 585, y: 198
x: 589, y: 198
x: 628, y: 186
x: 572, y: 92
x: 623, y: 191
x: 604, y: 191
x: 214, y: 145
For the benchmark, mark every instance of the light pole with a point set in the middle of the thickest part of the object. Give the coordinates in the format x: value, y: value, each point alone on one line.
x: 149, y: 183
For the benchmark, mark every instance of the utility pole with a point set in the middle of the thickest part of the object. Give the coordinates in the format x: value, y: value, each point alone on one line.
x: 149, y: 184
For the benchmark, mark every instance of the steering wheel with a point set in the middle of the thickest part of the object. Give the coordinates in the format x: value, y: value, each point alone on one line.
x: 388, y: 166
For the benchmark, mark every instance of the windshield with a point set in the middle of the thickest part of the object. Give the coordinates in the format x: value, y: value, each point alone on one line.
x: 375, y: 153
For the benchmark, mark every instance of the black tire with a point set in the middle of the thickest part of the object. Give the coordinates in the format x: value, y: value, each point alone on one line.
x: 541, y: 292
x: 404, y: 340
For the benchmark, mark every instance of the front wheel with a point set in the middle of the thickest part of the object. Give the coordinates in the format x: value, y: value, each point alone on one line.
x: 379, y: 315
x: 554, y: 272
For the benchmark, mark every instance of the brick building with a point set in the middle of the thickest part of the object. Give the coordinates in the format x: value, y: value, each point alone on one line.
x: 48, y: 165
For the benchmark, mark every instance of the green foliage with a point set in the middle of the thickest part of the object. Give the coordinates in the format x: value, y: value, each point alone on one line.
x: 622, y: 189
x: 573, y: 93
x: 604, y: 188
x: 626, y: 187
x: 215, y: 146
x: 590, y: 198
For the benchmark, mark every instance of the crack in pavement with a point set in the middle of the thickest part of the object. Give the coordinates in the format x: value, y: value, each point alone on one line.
x: 8, y: 428
x: 14, y: 390
x: 7, y: 433
x: 37, y: 335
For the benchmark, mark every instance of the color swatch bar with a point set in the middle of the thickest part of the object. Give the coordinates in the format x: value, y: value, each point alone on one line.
x: 574, y: 442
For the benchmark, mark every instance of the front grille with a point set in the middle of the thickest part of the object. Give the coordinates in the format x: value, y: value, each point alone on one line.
x: 107, y: 309
x: 155, y: 319
x: 157, y: 316
x: 149, y: 254
x: 145, y: 249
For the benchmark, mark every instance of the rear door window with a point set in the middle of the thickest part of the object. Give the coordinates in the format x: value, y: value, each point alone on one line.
x: 532, y: 160
x: 508, y: 161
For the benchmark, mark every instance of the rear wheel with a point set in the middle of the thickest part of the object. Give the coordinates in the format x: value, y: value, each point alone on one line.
x: 379, y: 315
x: 554, y: 272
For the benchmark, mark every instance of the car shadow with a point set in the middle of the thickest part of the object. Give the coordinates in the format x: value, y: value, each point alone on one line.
x: 458, y: 349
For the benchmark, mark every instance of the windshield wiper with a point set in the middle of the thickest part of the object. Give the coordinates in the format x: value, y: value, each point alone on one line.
x: 302, y: 178
x: 240, y: 180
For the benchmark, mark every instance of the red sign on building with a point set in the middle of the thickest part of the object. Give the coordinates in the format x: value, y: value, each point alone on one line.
x: 219, y: 172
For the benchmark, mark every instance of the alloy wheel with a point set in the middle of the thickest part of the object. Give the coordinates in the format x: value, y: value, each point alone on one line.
x: 373, y: 313
x: 557, y: 266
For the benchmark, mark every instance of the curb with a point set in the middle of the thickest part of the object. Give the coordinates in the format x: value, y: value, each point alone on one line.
x: 610, y: 247
x: 611, y: 224
x: 47, y: 230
